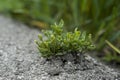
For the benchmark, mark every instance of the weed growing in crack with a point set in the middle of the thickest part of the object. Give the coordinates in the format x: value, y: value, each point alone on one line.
x: 58, y: 42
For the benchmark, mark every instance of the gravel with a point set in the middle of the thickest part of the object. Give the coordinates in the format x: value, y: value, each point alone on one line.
x: 19, y: 59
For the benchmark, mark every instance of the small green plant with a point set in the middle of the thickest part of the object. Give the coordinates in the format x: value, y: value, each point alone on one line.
x: 58, y: 42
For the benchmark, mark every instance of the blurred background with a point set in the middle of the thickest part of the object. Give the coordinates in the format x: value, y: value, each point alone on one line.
x: 98, y: 17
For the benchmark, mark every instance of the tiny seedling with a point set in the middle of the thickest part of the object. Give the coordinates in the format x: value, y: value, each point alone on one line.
x: 57, y: 42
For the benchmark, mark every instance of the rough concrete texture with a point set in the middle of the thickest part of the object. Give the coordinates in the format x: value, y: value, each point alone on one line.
x: 19, y: 59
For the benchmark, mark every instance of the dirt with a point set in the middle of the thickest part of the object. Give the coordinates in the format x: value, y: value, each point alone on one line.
x: 20, y: 59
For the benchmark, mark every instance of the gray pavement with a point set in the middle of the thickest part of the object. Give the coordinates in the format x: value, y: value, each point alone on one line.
x: 19, y: 59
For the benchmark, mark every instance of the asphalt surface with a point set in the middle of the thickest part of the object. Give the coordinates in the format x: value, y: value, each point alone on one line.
x: 19, y: 59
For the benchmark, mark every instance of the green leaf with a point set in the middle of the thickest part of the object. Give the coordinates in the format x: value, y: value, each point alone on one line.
x: 112, y: 46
